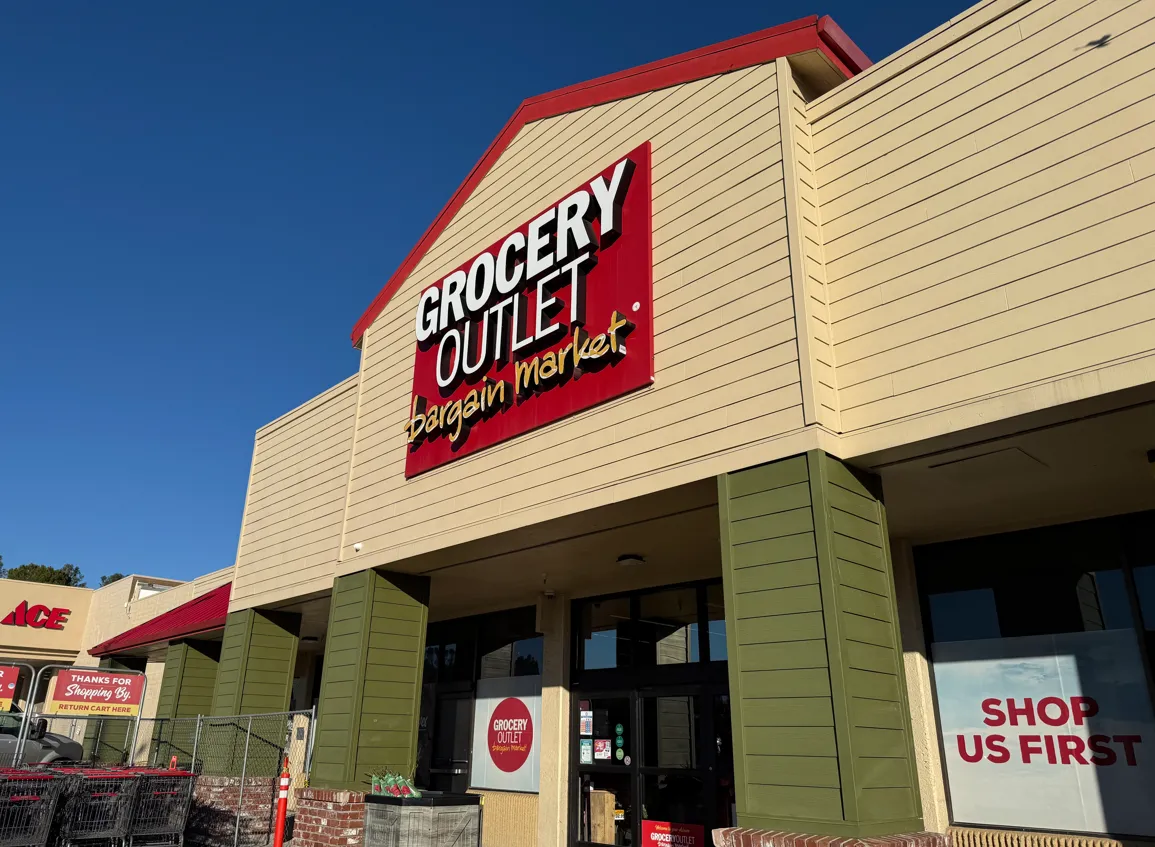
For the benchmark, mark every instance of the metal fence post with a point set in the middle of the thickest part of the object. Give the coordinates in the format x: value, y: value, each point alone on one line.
x: 309, y: 742
x: 196, y: 740
x: 241, y: 794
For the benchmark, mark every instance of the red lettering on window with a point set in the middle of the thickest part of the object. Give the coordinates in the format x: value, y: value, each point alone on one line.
x: 1101, y: 746
x: 991, y: 709
x: 1129, y: 742
x: 1059, y: 719
x: 1027, y: 710
x: 999, y: 754
x: 1071, y: 748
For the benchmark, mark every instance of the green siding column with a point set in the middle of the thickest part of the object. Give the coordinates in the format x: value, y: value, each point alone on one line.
x: 190, y: 674
x: 258, y: 655
x: 371, y: 678
x: 822, y: 739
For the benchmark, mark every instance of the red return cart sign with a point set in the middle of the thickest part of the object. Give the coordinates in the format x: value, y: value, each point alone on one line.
x: 81, y: 691
x: 8, y: 677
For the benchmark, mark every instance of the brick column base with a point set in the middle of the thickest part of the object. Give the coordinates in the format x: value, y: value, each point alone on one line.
x: 213, y: 817
x: 329, y: 818
x: 740, y: 837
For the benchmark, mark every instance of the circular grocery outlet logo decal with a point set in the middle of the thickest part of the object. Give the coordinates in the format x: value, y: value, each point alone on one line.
x: 510, y: 734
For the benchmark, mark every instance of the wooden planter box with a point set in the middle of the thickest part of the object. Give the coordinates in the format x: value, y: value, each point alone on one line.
x: 428, y: 821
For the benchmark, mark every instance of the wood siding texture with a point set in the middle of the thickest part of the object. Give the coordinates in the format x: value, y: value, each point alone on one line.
x: 371, y: 688
x: 291, y: 530
x: 258, y: 653
x: 510, y: 819
x: 987, y: 204
x: 190, y: 673
x: 821, y: 731
x: 726, y: 360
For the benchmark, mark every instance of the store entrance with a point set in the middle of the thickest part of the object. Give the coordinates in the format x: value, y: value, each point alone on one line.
x: 654, y: 762
x: 651, y: 748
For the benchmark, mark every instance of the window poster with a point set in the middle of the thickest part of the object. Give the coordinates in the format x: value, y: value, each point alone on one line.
x: 586, y: 723
x: 586, y: 751
x: 602, y: 748
x: 506, y: 730
x: 1049, y: 732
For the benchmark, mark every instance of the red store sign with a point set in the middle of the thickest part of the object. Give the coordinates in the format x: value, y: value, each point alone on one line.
x: 666, y: 834
x: 87, y: 691
x: 554, y: 318
x: 37, y: 617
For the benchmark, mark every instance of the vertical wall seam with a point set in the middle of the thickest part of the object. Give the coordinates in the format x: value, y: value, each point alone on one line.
x: 353, y: 446
x: 244, y: 515
x: 737, y: 724
x: 816, y: 467
x: 900, y: 657
x: 795, y: 247
x: 369, y: 590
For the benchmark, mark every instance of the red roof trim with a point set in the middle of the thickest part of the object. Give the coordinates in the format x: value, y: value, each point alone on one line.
x: 799, y: 36
x: 198, y: 616
x: 832, y: 35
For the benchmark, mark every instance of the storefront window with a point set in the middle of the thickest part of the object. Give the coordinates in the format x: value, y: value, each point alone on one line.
x: 716, y: 622
x: 1145, y: 588
x: 605, y: 634
x: 652, y: 630
x: 1040, y: 679
x: 671, y: 731
x: 519, y: 658
x: 607, y: 801
x: 668, y: 628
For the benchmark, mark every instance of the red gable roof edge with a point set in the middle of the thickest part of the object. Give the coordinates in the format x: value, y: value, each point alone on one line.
x: 196, y: 617
x: 805, y: 34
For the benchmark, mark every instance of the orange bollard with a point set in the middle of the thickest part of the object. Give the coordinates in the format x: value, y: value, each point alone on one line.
x: 282, y: 806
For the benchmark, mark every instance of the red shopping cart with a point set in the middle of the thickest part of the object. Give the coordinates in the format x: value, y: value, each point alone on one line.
x: 28, y: 800
x: 163, y: 799
x: 97, y: 804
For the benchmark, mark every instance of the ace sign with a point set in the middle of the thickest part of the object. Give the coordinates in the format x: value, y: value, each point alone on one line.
x: 553, y: 318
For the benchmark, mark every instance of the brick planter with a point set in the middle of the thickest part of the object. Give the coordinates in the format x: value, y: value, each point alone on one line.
x: 740, y: 837
x: 329, y: 818
x: 213, y: 817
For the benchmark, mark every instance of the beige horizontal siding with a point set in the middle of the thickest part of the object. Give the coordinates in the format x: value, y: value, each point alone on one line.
x: 726, y: 360
x: 986, y: 205
x: 295, y: 506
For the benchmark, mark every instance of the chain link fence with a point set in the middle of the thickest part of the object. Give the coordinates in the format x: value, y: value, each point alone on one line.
x: 238, y: 759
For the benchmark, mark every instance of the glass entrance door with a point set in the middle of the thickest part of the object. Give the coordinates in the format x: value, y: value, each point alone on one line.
x: 653, y: 766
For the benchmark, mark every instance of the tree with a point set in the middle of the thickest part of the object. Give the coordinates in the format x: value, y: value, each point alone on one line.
x: 31, y: 572
x: 110, y: 578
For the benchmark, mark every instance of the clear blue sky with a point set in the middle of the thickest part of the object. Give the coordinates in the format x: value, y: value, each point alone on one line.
x: 198, y: 200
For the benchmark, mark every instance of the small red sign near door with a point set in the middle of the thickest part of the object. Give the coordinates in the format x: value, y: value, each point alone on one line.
x: 93, y: 692
x: 510, y: 735
x: 657, y: 833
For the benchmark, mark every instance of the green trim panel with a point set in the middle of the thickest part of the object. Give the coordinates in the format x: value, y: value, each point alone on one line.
x: 371, y: 679
x: 190, y: 673
x: 821, y: 725
x: 257, y: 660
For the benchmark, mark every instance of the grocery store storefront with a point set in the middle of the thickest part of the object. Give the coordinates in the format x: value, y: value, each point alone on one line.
x: 758, y: 438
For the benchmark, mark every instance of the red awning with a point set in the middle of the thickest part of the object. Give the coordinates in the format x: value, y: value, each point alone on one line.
x: 198, y: 616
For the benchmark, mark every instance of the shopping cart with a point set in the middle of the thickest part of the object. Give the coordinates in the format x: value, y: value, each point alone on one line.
x: 97, y: 805
x: 163, y: 800
x: 27, y: 801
